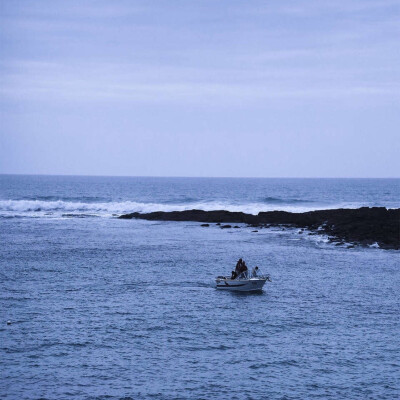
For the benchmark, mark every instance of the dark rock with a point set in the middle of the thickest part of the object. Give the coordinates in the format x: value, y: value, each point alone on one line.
x: 236, y: 226
x: 205, y: 225
x: 226, y: 226
x: 364, y: 225
x: 255, y: 231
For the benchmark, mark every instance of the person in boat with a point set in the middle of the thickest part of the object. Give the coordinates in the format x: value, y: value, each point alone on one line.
x: 254, y: 272
x: 238, y: 269
x: 241, y: 269
x: 233, y: 275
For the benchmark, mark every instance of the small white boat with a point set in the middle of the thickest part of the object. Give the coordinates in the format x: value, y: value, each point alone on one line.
x: 243, y: 283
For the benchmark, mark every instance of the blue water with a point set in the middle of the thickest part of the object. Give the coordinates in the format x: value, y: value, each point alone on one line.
x: 102, y: 308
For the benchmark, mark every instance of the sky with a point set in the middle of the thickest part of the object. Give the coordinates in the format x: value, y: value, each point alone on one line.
x: 200, y: 88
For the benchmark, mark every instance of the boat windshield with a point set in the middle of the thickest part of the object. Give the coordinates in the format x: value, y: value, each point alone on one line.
x: 248, y: 275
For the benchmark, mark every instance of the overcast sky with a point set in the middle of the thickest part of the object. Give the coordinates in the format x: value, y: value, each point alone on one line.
x: 200, y: 88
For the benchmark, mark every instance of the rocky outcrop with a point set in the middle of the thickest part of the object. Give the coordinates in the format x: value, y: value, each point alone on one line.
x: 364, y: 226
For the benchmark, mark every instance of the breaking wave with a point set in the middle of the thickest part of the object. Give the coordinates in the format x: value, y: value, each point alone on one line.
x: 278, y: 200
x: 81, y: 209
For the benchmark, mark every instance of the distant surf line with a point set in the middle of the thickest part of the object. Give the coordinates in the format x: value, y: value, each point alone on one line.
x: 50, y: 208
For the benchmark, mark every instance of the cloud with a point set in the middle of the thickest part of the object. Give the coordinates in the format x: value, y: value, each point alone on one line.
x: 315, y: 7
x: 46, y: 81
x: 141, y: 55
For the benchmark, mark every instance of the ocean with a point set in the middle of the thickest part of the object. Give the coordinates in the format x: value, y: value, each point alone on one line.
x: 104, y: 308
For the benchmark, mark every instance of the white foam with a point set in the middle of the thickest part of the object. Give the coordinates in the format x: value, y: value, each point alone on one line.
x: 57, y: 208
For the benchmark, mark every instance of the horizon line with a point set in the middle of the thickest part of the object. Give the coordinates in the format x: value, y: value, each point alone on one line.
x: 198, y: 177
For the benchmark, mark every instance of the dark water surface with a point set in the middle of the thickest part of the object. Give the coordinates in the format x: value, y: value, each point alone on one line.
x: 103, y: 308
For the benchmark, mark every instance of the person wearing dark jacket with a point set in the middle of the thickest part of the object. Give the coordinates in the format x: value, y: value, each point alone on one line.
x: 238, y: 268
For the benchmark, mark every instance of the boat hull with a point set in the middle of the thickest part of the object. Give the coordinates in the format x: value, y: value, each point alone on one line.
x: 241, y: 285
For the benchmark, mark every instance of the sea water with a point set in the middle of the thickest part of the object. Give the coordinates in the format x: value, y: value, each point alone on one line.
x: 103, y: 308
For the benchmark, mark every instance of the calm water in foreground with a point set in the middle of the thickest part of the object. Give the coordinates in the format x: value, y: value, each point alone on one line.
x: 103, y: 308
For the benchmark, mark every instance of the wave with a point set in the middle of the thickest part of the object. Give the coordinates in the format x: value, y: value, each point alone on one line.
x: 68, y: 209
x: 278, y: 200
x: 47, y: 206
x: 86, y: 199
